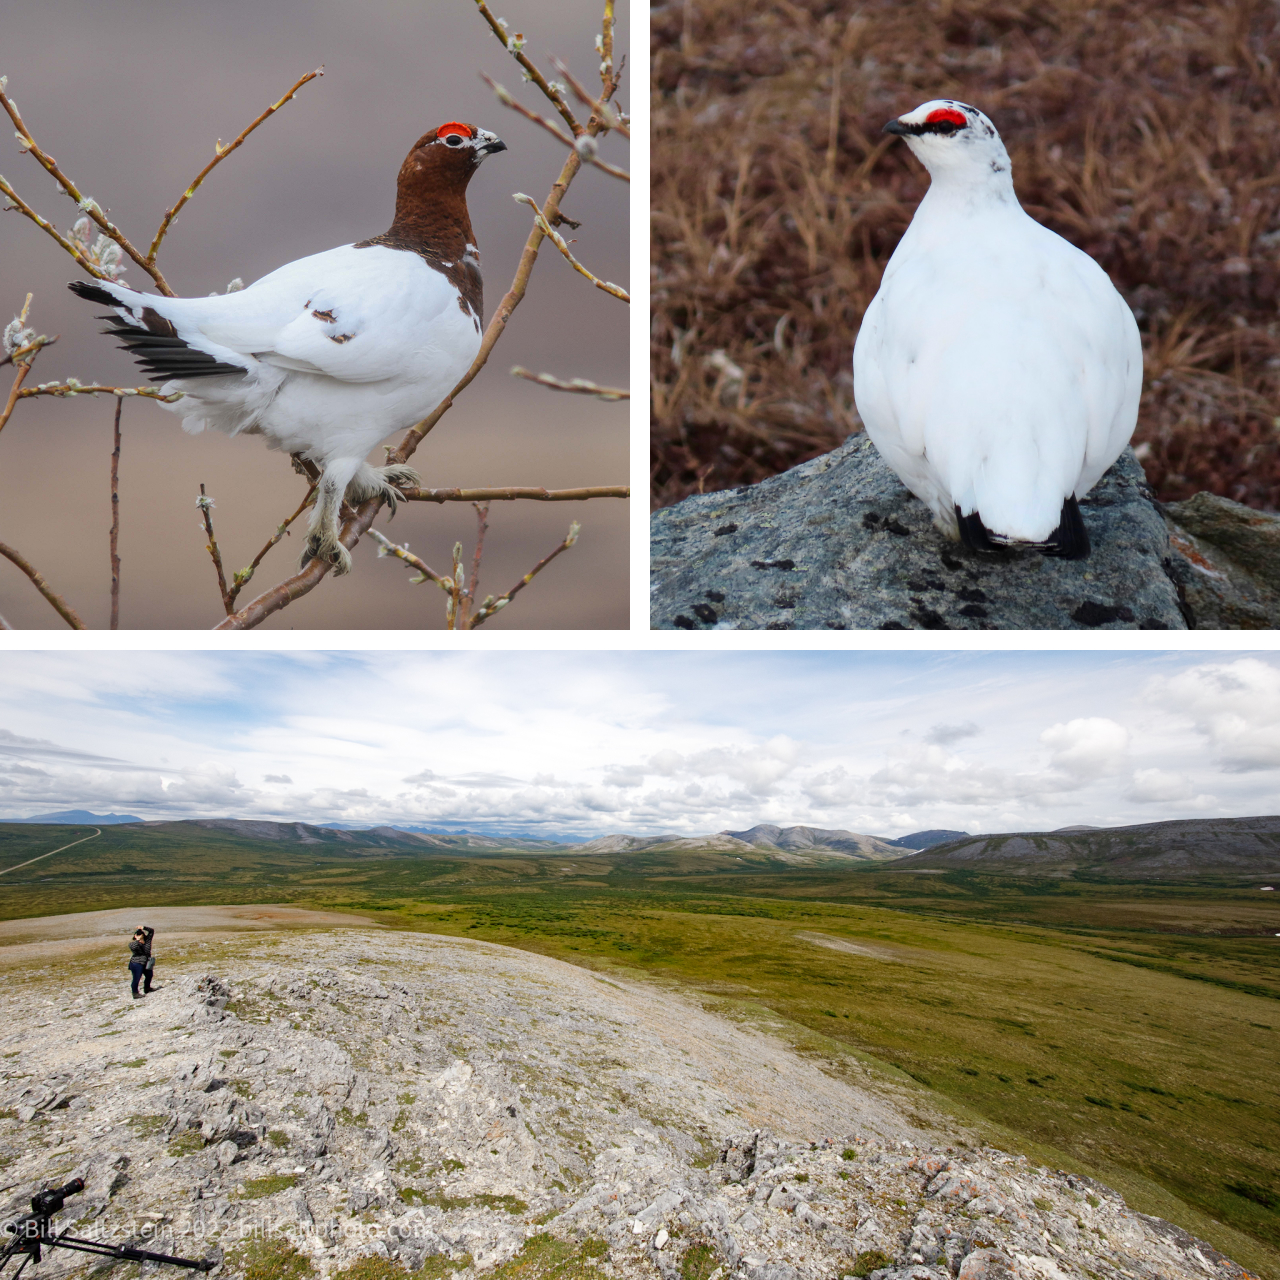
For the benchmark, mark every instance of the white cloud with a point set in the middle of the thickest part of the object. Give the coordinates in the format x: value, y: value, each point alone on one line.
x: 687, y: 743
x: 1087, y: 748
x: 943, y: 735
x: 1235, y: 705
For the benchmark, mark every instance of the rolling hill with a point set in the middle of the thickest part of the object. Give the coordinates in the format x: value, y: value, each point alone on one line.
x: 1190, y: 848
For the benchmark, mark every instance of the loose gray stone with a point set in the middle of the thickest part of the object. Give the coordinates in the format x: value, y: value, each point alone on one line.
x: 839, y: 543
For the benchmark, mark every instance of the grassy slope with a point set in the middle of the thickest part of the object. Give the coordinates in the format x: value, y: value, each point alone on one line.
x: 1126, y: 1030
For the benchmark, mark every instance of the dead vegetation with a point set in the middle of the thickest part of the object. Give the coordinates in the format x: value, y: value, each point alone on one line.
x: 1144, y: 133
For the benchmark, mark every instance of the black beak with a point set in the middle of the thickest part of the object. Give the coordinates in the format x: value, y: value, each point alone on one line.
x: 496, y: 145
x: 896, y: 126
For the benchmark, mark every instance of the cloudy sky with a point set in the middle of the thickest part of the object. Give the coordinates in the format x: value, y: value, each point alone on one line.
x: 585, y: 744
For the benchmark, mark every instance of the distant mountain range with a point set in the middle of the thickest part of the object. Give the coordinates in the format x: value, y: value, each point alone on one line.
x: 79, y: 816
x: 1147, y: 851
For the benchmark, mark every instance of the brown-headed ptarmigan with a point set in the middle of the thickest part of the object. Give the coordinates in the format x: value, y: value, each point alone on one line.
x: 330, y: 354
x: 997, y: 369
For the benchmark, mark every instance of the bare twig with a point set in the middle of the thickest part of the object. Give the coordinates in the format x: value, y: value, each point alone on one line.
x: 491, y: 606
x: 219, y: 154
x: 73, y: 388
x: 305, y: 581
x: 73, y: 249
x: 428, y: 574
x: 559, y: 241
x: 205, y: 504
x: 588, y: 155
x: 609, y: 117
x: 578, y: 385
x: 22, y: 357
x: 5, y: 624
x: 242, y: 576
x: 115, y: 521
x: 482, y: 527
x: 88, y: 205
x: 514, y: 494
x: 67, y: 613
x: 514, y: 45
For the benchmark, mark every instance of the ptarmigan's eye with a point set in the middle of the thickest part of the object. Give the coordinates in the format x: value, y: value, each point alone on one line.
x: 453, y: 140
x: 946, y: 120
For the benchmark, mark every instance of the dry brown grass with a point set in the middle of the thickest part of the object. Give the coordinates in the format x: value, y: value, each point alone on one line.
x: 1148, y: 134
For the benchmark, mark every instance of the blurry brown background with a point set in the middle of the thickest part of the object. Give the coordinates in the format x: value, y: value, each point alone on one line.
x: 1144, y: 132
x: 129, y: 96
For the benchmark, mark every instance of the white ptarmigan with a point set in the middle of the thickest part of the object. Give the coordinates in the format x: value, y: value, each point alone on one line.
x: 328, y: 355
x: 997, y: 370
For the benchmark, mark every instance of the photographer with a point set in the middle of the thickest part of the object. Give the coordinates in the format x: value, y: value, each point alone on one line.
x: 141, y: 964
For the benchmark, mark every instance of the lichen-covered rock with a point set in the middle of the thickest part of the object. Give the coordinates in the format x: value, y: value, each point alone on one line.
x: 839, y: 543
x: 1226, y: 563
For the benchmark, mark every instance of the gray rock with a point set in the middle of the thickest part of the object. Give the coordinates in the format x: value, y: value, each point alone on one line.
x: 839, y: 543
x: 1226, y: 563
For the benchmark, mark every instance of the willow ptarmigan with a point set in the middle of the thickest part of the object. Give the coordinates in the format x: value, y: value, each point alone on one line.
x: 332, y: 353
x: 997, y: 369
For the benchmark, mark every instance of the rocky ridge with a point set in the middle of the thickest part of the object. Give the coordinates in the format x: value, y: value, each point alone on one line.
x: 439, y: 1106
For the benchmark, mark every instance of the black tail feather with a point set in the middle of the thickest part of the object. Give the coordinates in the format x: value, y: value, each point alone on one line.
x: 153, y: 341
x: 1069, y: 541
x: 93, y: 293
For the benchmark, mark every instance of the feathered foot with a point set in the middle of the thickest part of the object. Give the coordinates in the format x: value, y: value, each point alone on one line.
x: 323, y: 544
x: 386, y: 482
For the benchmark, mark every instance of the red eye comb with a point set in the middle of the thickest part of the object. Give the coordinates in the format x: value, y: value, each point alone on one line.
x: 454, y: 127
x: 947, y: 115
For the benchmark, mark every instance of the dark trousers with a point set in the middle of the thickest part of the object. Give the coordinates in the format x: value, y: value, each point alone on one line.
x: 138, y: 968
x: 146, y: 977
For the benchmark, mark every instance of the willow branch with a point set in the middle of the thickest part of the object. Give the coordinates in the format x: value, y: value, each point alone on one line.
x: 68, y: 614
x: 587, y: 153
x: 206, y: 505
x: 23, y: 207
x: 219, y: 154
x: 241, y: 576
x: 491, y: 606
x: 72, y: 388
x: 88, y: 205
x: 580, y: 386
x: 15, y: 392
x: 305, y: 581
x: 514, y: 46
x: 115, y: 520
x: 22, y: 358
x: 482, y: 522
x: 559, y: 241
x: 513, y: 494
x: 426, y: 572
x: 609, y: 116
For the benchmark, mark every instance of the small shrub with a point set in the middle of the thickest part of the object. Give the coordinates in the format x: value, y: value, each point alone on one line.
x: 274, y: 1259
x: 848, y: 1154
x: 241, y: 1089
x: 278, y: 1138
x: 870, y: 1260
x: 147, y: 1126
x: 186, y: 1144
x: 1042, y: 1204
x: 1093, y: 1200
x: 845, y: 1174
x: 509, y: 1203
x: 373, y: 1269
x: 256, y: 1188
x: 801, y: 1177
x: 698, y: 1263
x: 441, y: 1266
x: 450, y: 1165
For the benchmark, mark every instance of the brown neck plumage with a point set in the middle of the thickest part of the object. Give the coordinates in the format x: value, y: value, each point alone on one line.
x: 431, y: 216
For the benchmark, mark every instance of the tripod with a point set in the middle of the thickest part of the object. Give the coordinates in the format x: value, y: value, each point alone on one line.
x: 29, y: 1234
